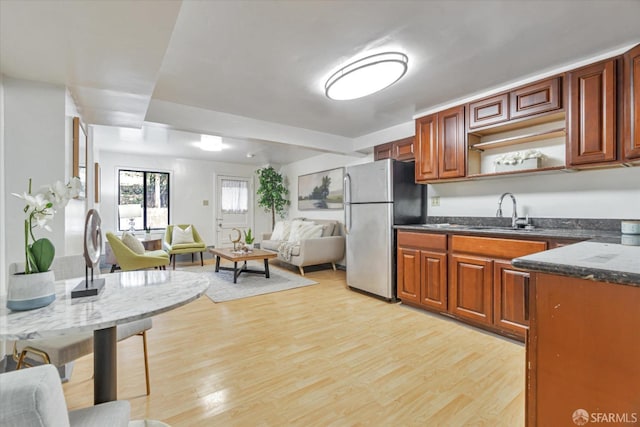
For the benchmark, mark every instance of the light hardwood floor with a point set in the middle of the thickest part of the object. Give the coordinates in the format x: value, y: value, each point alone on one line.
x: 321, y: 355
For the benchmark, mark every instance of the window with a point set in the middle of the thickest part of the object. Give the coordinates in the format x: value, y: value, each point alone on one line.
x: 235, y: 196
x: 143, y: 199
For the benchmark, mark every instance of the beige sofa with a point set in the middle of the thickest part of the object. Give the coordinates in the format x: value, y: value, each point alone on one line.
x: 329, y: 248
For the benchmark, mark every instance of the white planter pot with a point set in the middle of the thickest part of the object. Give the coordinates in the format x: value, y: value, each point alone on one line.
x: 30, y: 291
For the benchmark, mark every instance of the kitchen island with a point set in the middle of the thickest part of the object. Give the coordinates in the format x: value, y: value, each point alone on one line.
x: 583, y: 345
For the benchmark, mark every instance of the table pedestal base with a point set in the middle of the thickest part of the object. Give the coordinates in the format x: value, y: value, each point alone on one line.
x: 105, y: 365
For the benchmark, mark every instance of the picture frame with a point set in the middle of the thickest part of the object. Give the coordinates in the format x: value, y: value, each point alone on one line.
x: 79, y: 163
x: 321, y: 190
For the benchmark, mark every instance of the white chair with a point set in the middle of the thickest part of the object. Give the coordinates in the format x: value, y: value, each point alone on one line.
x: 34, y: 397
x: 62, y: 351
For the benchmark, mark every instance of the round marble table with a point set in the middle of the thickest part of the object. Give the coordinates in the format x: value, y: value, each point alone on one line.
x: 127, y: 296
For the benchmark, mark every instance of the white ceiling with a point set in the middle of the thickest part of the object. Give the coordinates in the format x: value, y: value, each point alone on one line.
x: 253, y: 71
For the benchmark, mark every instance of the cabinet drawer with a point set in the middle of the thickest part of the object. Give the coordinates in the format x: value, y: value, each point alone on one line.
x: 423, y: 240
x: 489, y: 111
x: 536, y: 98
x: 495, y: 247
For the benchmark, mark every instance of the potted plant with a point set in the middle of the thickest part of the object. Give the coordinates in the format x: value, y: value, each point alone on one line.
x: 249, y: 238
x: 272, y: 193
x: 34, y: 288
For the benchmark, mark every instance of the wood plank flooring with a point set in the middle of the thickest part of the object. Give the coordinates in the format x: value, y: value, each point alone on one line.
x: 320, y: 355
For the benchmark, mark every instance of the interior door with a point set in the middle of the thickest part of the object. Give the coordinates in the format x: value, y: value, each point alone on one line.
x: 234, y: 208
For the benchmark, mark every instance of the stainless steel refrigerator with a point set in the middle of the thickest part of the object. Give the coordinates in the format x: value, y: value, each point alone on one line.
x: 378, y: 195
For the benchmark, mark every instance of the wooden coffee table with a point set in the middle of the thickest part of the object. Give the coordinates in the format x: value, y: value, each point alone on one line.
x: 228, y: 254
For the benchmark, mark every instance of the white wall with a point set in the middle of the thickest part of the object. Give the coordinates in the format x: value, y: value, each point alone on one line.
x: 3, y: 240
x: 192, y: 182
x: 604, y: 193
x: 35, y: 147
x: 316, y: 164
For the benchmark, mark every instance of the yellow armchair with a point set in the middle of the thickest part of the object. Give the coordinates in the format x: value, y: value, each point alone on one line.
x: 129, y: 260
x: 198, y: 244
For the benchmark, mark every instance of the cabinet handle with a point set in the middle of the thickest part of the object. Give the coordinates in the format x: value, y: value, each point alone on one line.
x: 526, y: 298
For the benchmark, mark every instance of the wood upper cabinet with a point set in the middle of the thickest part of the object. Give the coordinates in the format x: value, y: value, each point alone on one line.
x: 471, y: 288
x: 383, y: 151
x: 452, y: 150
x: 488, y: 111
x: 402, y: 149
x: 433, y: 284
x: 591, y: 114
x: 510, y: 298
x: 408, y: 274
x: 536, y: 98
x: 631, y: 75
x: 440, y: 145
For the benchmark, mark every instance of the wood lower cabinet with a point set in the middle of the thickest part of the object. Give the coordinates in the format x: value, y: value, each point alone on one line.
x: 510, y: 298
x: 582, y: 352
x: 408, y: 274
x: 467, y: 277
x: 631, y: 135
x: 471, y: 288
x: 433, y: 280
x: 591, y: 114
x: 422, y: 269
x: 440, y: 145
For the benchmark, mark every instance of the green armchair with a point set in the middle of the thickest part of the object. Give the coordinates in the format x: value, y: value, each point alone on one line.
x: 174, y: 249
x: 129, y: 260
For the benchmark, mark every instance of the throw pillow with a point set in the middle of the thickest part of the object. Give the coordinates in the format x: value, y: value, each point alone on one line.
x: 132, y: 243
x: 327, y: 229
x: 281, y: 230
x: 304, y: 230
x: 181, y: 236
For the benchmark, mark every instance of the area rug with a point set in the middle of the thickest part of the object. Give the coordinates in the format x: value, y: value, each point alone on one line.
x: 223, y: 289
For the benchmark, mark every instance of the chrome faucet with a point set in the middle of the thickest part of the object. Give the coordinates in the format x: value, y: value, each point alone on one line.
x: 514, y: 216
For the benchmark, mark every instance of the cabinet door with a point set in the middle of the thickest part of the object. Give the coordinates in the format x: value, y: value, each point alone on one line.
x: 427, y: 148
x: 536, y: 98
x: 631, y: 136
x: 433, y: 290
x: 451, y: 143
x: 488, y: 111
x: 591, y: 119
x: 384, y: 151
x: 510, y: 297
x: 404, y: 149
x: 471, y: 288
x: 408, y: 280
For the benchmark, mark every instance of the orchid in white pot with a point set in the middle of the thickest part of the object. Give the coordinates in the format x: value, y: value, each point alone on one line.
x: 30, y: 290
x: 39, y: 210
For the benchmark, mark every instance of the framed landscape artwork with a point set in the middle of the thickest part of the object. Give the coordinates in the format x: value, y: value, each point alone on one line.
x: 321, y: 190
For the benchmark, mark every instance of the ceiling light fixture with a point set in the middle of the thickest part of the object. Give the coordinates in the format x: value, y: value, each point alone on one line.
x: 210, y: 143
x: 366, y: 76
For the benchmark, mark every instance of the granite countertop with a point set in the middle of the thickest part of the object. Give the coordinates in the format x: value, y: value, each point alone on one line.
x: 505, y: 231
x: 593, y: 260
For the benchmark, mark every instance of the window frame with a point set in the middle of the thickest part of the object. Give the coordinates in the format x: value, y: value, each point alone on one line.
x: 144, y: 173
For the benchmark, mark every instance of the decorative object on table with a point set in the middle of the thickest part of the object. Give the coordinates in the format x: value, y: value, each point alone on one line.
x: 92, y: 251
x: 519, y: 160
x: 272, y: 193
x: 235, y: 240
x: 35, y: 287
x: 131, y: 211
x: 248, y: 239
x: 147, y: 230
x: 321, y: 190
x: 630, y: 226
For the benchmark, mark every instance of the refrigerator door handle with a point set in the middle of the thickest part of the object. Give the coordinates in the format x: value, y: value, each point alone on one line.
x: 347, y: 202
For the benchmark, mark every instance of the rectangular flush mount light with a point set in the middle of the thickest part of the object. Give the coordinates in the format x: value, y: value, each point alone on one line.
x: 211, y: 143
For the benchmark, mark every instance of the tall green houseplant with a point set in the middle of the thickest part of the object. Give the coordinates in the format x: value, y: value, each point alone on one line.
x: 272, y: 193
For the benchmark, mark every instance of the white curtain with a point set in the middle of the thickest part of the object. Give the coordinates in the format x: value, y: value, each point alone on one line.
x: 235, y: 196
